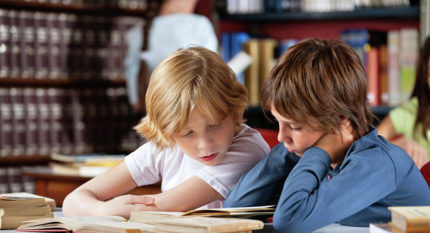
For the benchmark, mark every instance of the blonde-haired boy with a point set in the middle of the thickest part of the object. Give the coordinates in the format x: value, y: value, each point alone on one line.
x: 197, y: 144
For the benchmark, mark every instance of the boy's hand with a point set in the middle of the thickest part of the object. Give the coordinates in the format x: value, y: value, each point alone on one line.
x: 337, y: 145
x: 126, y: 203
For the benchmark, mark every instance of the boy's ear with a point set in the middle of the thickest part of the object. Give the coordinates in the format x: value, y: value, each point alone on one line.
x: 345, y: 121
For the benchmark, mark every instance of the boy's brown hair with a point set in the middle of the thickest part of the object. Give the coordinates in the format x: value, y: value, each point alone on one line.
x: 192, y: 78
x: 319, y: 81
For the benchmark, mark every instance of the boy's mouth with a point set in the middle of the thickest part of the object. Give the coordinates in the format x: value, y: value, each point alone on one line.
x: 209, y: 157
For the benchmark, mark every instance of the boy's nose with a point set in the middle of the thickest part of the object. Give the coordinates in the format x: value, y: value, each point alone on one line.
x: 284, y: 134
x: 204, y: 141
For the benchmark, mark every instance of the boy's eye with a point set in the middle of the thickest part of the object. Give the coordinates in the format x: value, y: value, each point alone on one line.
x: 296, y: 129
x: 188, y: 133
x: 213, y: 125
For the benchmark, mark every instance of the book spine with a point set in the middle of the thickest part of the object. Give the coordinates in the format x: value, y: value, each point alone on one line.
x: 5, y: 123
x: 77, y: 124
x: 14, y: 44
x: 4, y: 44
x: 18, y: 122
x: 372, y: 77
x: 53, y: 27
x: 252, y: 80
x: 65, y: 30
x: 408, y: 58
x: 393, y: 68
x: 87, y: 46
x: 76, y: 51
x: 30, y: 121
x: 41, y: 45
x: 54, y: 118
x: 42, y: 121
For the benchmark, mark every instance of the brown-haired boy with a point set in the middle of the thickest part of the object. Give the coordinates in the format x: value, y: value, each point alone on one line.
x: 331, y: 166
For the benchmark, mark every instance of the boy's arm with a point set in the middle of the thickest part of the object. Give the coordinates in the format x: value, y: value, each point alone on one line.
x: 263, y: 183
x: 312, y: 199
x: 189, y: 195
x: 417, y: 152
x: 386, y: 128
x: 102, y: 195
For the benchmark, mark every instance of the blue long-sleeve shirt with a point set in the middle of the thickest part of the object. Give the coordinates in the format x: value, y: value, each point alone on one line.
x: 309, y: 195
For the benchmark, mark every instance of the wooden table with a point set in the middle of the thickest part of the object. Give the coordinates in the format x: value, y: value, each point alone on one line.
x: 57, y: 186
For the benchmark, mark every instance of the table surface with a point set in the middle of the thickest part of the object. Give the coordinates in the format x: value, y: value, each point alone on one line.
x: 268, y: 228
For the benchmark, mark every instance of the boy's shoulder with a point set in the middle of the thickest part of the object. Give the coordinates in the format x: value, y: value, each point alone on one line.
x: 377, y: 150
x: 250, y: 137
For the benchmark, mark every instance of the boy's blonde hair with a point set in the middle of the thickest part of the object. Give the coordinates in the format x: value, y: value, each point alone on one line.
x: 320, y: 81
x: 192, y: 78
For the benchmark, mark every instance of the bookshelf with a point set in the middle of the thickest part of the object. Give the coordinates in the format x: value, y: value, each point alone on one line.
x: 359, y: 14
x: 62, y: 81
x: 297, y: 24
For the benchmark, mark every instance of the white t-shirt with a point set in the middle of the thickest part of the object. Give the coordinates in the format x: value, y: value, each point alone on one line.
x: 148, y: 165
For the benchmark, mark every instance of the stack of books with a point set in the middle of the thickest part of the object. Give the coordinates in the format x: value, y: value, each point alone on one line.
x: 15, y: 208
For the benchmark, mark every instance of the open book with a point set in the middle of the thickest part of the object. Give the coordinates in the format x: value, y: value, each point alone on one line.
x: 85, y: 224
x: 242, y: 212
x: 118, y: 224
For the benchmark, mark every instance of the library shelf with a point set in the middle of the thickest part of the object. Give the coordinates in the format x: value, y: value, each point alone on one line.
x: 64, y: 83
x: 365, y: 13
x: 76, y: 8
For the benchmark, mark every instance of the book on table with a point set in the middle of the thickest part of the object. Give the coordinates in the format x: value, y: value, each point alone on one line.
x: 405, y: 219
x: 188, y: 224
x: 410, y: 218
x: 241, y: 212
x: 85, y: 224
x: 15, y: 208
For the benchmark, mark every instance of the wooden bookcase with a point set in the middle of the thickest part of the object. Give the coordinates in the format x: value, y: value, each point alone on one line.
x: 82, y: 107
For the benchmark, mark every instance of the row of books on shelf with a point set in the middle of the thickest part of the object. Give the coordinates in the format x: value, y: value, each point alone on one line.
x: 12, y: 180
x: 260, y: 6
x: 41, y: 121
x: 262, y: 53
x: 126, y: 4
x: 389, y: 59
x: 36, y: 44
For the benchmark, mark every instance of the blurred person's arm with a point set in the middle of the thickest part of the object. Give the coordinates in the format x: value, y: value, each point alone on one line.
x: 417, y: 152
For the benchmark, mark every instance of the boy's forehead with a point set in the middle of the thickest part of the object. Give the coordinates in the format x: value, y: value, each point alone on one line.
x: 277, y: 115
